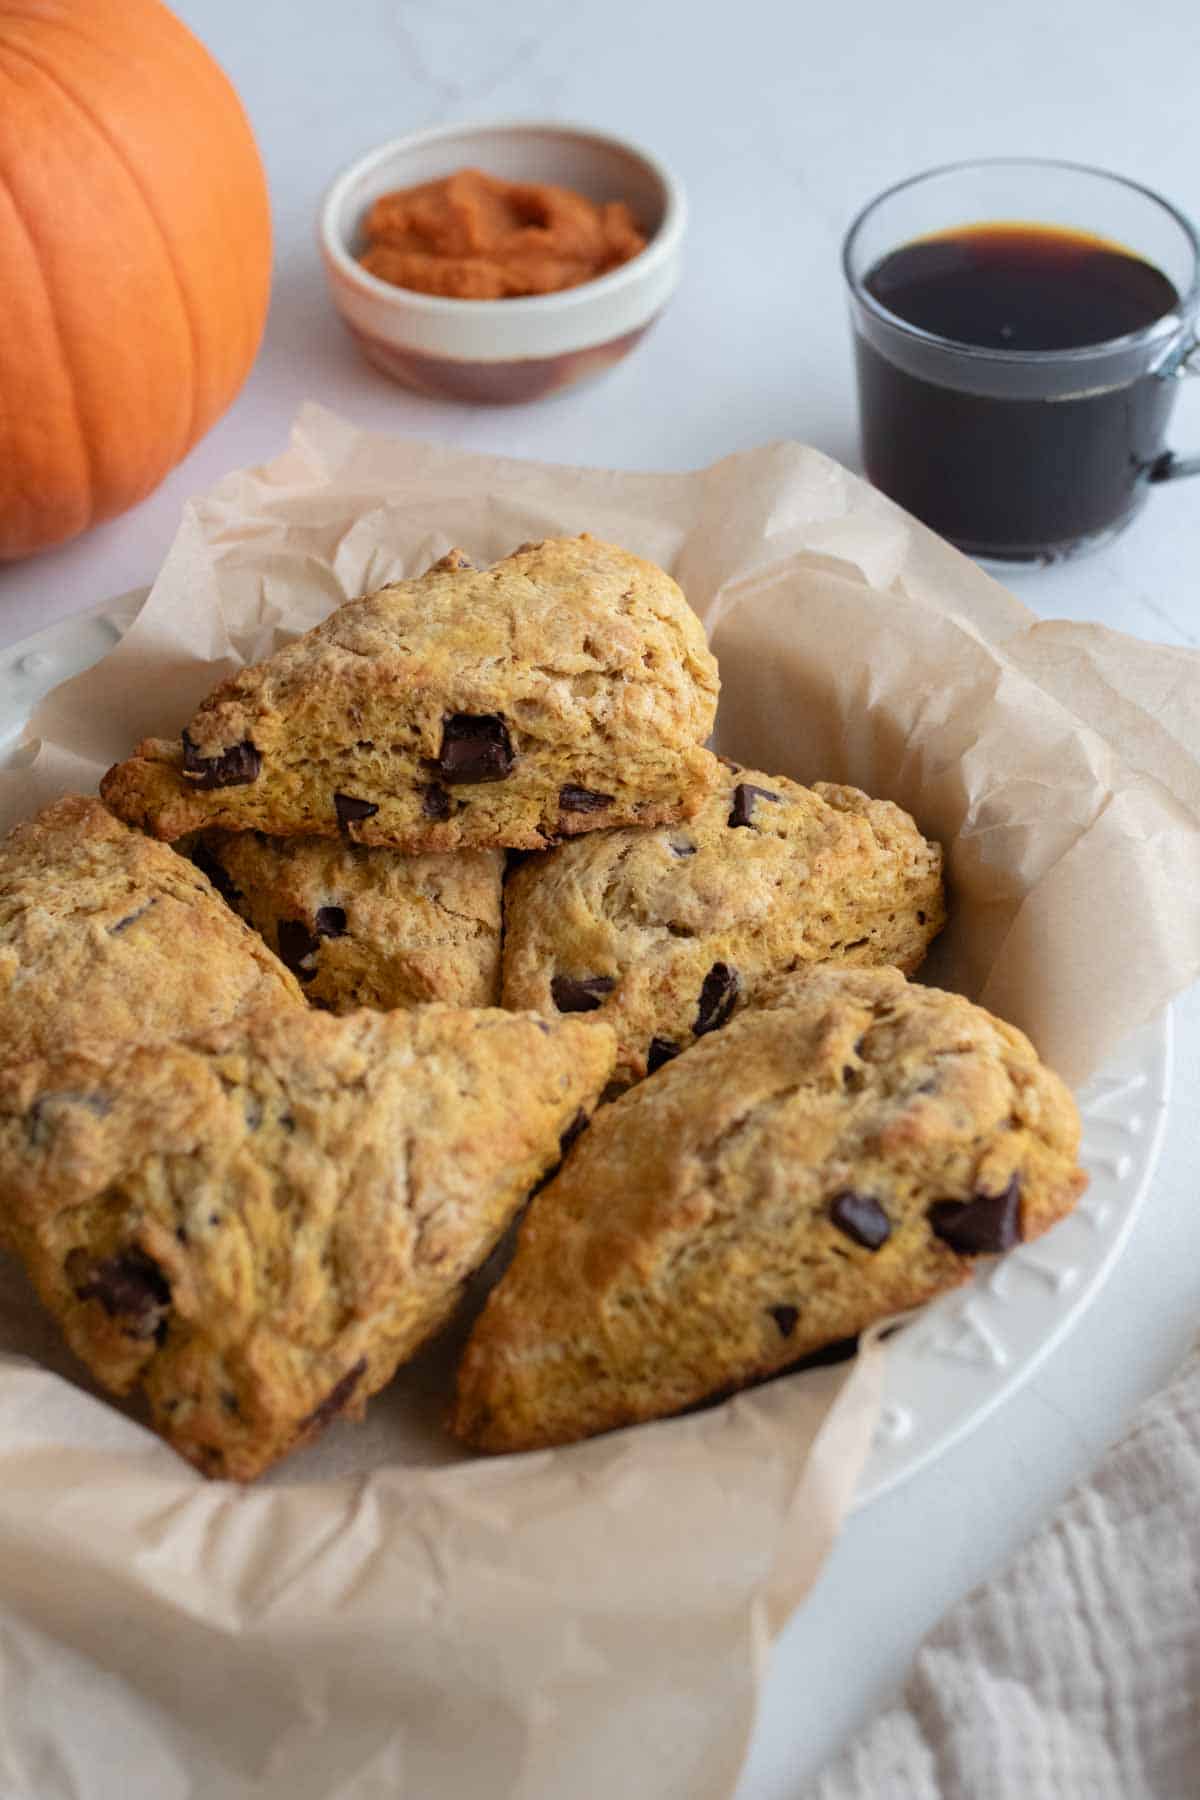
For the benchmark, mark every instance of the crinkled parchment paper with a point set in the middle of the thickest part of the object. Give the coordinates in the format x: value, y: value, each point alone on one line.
x: 384, y: 1618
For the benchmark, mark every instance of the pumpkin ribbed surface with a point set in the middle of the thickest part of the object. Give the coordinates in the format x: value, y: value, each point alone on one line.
x: 135, y: 258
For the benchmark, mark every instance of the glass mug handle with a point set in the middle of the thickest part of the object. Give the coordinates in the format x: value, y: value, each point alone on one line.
x: 1182, y: 362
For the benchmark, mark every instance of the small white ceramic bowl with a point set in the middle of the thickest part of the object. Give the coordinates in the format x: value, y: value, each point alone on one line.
x: 505, y: 350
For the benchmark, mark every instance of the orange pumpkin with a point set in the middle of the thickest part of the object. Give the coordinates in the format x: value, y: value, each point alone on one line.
x: 135, y: 258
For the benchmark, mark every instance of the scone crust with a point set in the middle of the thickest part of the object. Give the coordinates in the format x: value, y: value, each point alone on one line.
x: 365, y: 926
x: 691, y: 1242
x: 656, y: 932
x: 105, y: 935
x: 583, y: 667
x: 260, y: 1225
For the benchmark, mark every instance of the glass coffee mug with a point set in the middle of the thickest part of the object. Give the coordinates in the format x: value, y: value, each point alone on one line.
x: 1020, y: 330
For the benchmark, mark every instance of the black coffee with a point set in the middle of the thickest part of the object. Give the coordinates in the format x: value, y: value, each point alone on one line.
x: 1014, y: 478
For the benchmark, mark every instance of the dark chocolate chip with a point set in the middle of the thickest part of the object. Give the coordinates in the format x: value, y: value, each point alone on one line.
x: 661, y: 1051
x: 208, y: 865
x: 129, y: 1287
x: 717, y: 996
x: 336, y: 1398
x: 330, y: 921
x: 744, y: 796
x: 582, y: 993
x: 435, y: 801
x: 236, y: 767
x: 861, y: 1217
x: 981, y: 1226
x: 785, y: 1317
x: 351, y: 811
x: 131, y: 918
x: 296, y: 946
x: 578, y: 1124
x: 475, y: 747
x: 581, y: 799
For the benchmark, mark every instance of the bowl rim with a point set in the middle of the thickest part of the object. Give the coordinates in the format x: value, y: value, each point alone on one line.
x: 663, y: 245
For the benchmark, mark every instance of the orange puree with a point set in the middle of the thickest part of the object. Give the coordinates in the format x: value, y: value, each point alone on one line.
x: 471, y: 236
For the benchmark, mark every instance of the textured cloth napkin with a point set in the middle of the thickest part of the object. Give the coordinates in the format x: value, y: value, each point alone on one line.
x: 1074, y: 1675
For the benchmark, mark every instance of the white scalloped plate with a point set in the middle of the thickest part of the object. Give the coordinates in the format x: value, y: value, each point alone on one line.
x: 960, y: 1356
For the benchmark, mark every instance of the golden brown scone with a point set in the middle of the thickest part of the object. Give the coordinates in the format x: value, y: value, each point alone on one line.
x: 260, y: 1225
x: 842, y: 1150
x: 566, y: 688
x: 106, y: 935
x: 362, y: 926
x: 659, y: 932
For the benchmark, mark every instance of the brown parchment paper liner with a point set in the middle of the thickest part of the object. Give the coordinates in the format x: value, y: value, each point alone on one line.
x: 384, y: 1617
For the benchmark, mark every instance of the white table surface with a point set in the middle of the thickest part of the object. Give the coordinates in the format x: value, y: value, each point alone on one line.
x: 782, y: 119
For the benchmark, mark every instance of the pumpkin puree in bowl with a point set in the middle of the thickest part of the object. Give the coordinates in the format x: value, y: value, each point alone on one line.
x: 472, y: 236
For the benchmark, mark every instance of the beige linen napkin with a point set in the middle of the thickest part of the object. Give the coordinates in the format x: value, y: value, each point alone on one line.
x: 1074, y: 1675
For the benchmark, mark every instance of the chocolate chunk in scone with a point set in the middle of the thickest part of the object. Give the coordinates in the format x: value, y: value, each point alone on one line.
x: 662, y: 933
x: 105, y: 935
x: 366, y: 926
x: 236, y: 767
x: 717, y: 995
x: 259, y: 1225
x: 475, y: 748
x: 572, y: 993
x: 745, y: 798
x: 567, y: 688
x: 350, y: 810
x: 862, y: 1218
x: 982, y: 1225
x: 748, y: 1207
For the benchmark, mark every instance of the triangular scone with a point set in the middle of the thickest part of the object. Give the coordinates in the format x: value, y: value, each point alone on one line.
x: 260, y: 1225
x: 360, y: 925
x: 566, y: 688
x: 842, y: 1150
x: 106, y: 935
x: 659, y: 932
